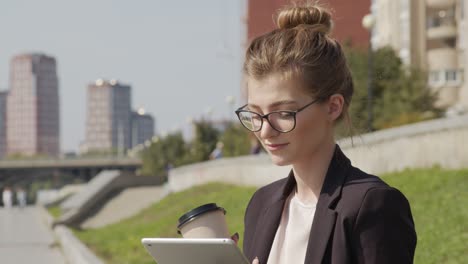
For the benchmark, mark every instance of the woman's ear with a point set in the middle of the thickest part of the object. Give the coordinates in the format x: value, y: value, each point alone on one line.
x: 335, y: 106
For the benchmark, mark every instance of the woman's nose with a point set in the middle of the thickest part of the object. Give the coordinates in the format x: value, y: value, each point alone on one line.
x: 267, y: 131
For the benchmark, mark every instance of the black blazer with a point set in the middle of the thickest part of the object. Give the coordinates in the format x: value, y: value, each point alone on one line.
x: 358, y: 219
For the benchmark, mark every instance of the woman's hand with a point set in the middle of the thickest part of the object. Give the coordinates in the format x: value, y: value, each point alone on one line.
x: 235, y: 237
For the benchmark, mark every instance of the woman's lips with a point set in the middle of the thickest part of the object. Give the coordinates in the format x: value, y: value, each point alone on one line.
x: 273, y: 147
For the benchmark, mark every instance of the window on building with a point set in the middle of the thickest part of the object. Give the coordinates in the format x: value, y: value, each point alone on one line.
x: 450, y: 42
x: 434, y: 78
x: 453, y: 77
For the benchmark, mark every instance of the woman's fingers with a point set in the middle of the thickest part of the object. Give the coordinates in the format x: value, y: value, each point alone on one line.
x: 255, y: 261
x: 235, y: 237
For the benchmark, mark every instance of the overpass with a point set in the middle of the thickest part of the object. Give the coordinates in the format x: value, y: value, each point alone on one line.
x: 23, y: 172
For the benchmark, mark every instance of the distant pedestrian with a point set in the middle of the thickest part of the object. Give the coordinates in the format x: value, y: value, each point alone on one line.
x: 21, y: 197
x: 7, y: 197
x: 255, y: 148
x: 218, y: 151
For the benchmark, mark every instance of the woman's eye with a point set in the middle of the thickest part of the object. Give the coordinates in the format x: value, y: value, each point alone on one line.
x: 256, y: 118
x: 285, y: 114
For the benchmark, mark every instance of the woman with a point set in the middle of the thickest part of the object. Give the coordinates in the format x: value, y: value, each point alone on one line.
x: 326, y: 211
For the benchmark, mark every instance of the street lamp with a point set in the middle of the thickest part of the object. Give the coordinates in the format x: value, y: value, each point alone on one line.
x: 368, y: 22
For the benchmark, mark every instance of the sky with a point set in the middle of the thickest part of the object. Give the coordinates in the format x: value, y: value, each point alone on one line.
x: 181, y: 58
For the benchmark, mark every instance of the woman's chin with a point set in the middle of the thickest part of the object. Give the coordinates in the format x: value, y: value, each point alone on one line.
x: 279, y: 161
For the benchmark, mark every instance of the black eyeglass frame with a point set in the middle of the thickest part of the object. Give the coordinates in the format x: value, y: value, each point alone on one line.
x: 265, y: 116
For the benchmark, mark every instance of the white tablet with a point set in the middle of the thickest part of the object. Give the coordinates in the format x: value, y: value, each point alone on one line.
x: 194, y: 251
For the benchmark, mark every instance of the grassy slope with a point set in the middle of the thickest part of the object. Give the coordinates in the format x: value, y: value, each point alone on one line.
x: 54, y: 211
x: 120, y: 243
x: 438, y: 200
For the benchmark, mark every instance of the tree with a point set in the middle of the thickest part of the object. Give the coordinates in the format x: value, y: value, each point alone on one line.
x: 357, y: 62
x: 206, y: 137
x: 403, y: 95
x: 407, y: 100
x: 400, y: 95
x: 163, y: 154
x: 236, y: 140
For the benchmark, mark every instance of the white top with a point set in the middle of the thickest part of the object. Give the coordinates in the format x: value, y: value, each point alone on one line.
x: 292, y: 236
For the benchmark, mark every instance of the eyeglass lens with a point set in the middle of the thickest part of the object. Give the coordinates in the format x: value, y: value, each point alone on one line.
x: 282, y: 121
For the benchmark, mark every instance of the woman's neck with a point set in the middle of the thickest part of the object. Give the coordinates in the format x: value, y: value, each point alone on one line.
x: 310, y: 173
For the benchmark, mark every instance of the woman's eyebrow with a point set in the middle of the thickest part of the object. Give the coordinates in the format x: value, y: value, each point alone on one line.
x: 284, y: 102
x: 276, y: 104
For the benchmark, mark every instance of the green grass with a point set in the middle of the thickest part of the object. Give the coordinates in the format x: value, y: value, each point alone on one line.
x: 439, y: 203
x: 120, y: 242
x: 54, y: 211
x: 438, y: 200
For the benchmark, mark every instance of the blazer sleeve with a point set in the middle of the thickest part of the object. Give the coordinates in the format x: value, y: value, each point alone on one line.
x: 384, y: 229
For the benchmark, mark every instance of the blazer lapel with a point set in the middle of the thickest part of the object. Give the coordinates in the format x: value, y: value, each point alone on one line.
x: 325, y: 215
x: 324, y: 222
x: 270, y: 220
x: 324, y: 219
x: 265, y: 235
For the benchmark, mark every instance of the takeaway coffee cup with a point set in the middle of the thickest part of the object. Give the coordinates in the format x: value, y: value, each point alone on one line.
x: 206, y: 221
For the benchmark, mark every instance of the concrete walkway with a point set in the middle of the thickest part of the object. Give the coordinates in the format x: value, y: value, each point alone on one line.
x: 25, y: 238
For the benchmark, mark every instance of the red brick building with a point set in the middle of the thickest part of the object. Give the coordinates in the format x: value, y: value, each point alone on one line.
x: 347, y: 16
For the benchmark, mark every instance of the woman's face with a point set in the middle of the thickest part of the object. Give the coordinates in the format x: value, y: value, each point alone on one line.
x: 314, y: 124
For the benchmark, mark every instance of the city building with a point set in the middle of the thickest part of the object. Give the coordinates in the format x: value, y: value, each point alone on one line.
x: 430, y: 35
x: 3, y: 96
x: 142, y: 127
x: 108, y: 117
x: 347, y: 17
x: 33, y: 124
x: 393, y: 28
x: 427, y: 34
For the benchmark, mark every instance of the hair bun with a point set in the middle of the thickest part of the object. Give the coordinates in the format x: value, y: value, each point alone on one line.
x: 291, y: 17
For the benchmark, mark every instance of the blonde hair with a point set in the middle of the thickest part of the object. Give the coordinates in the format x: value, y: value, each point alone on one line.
x: 301, y: 47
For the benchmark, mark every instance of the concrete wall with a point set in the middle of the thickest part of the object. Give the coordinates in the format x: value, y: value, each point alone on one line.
x: 72, y: 248
x: 247, y: 170
x: 80, y: 205
x: 442, y: 58
x: 441, y: 142
x: 49, y: 197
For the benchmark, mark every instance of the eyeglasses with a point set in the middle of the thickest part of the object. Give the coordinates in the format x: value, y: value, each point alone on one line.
x: 281, y: 121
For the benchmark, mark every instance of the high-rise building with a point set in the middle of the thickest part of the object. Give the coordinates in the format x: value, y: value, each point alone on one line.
x: 3, y: 96
x: 393, y: 28
x: 142, y: 127
x: 33, y: 125
x: 108, y: 117
x: 347, y: 16
x: 430, y: 35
